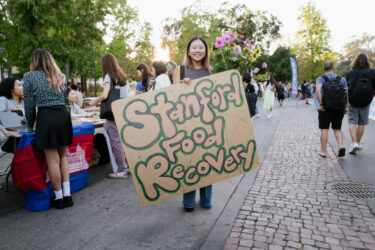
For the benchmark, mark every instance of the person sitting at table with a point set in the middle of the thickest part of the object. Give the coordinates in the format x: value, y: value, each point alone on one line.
x: 75, y: 110
x: 112, y: 72
x: 11, y: 95
x: 159, y: 72
x: 45, y: 87
x: 79, y: 95
x: 11, y: 99
x: 144, y: 74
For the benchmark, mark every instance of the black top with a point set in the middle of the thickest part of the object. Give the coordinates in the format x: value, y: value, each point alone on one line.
x: 351, y: 77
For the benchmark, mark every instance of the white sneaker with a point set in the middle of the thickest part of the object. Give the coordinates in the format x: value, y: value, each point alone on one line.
x: 353, y: 148
x: 269, y: 116
x: 257, y: 115
x: 360, y: 146
x: 120, y: 175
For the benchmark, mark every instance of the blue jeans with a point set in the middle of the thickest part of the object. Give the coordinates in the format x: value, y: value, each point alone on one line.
x: 205, y: 193
x: 256, y: 109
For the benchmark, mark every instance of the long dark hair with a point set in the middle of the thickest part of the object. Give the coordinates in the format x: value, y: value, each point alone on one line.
x: 271, y: 81
x: 206, y: 59
x: 145, y: 74
x: 113, y: 69
x: 7, y: 85
x: 246, y: 77
x: 360, y: 62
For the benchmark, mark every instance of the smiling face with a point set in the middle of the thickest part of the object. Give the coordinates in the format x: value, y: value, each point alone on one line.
x: 17, y: 91
x: 197, y: 51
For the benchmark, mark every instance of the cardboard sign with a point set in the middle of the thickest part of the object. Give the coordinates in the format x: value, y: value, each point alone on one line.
x: 185, y: 137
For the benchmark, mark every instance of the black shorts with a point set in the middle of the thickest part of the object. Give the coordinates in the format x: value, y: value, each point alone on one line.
x: 328, y: 117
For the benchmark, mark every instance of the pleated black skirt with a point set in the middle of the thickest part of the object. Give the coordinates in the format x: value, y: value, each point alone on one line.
x: 53, y: 127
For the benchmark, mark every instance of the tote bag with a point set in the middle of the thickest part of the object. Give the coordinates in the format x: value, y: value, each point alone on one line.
x: 105, y: 106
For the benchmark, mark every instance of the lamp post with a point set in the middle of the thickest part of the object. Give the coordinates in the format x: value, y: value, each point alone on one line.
x: 94, y: 79
x: 7, y: 60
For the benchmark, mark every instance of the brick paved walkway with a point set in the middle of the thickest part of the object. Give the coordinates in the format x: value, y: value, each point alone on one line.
x: 288, y: 206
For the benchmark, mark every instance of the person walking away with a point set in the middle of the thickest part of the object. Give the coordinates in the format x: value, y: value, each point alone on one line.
x: 251, y: 96
x: 308, y: 87
x: 332, y: 94
x: 112, y: 73
x: 144, y: 74
x: 361, y: 88
x: 280, y: 93
x: 196, y: 65
x: 286, y: 86
x: 45, y: 88
x: 159, y: 72
x: 269, y: 95
x: 316, y: 102
x: 256, y: 88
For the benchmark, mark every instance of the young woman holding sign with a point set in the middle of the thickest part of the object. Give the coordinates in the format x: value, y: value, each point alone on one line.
x: 196, y: 65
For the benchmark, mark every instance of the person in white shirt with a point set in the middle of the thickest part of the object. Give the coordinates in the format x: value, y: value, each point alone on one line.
x: 11, y: 95
x: 269, y: 95
x: 159, y: 72
x: 113, y: 73
x: 75, y: 110
x: 255, y: 84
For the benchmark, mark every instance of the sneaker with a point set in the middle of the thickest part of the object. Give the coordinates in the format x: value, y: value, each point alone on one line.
x: 269, y: 116
x: 68, y: 201
x: 120, y: 175
x: 353, y: 148
x: 257, y: 115
x: 341, y: 152
x: 360, y: 146
x: 189, y: 209
x: 59, y: 204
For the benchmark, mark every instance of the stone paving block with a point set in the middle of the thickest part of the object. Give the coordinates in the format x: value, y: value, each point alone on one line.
x: 260, y: 245
x: 230, y: 247
x: 322, y: 245
x: 288, y: 206
x: 307, y: 247
x: 307, y: 242
x: 243, y: 248
x: 275, y: 247
x: 246, y: 243
x: 356, y: 244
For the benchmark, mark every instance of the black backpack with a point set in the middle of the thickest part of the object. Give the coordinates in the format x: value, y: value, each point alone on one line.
x: 334, y: 94
x: 360, y: 94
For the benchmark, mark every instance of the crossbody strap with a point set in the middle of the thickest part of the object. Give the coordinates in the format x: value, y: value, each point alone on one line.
x: 182, y: 72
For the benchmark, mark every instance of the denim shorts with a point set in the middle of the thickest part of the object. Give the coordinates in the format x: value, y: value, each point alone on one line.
x: 358, y: 116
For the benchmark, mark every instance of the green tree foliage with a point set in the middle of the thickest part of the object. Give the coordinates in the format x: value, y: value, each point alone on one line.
x: 312, y: 47
x: 279, y: 64
x: 73, y: 31
x: 194, y: 22
x: 260, y: 27
x: 364, y: 44
x: 68, y: 29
